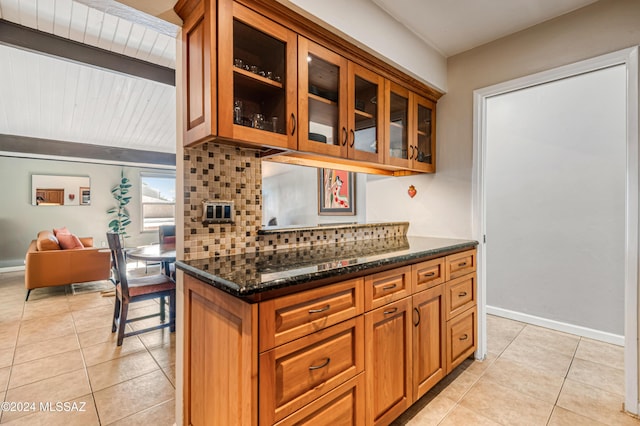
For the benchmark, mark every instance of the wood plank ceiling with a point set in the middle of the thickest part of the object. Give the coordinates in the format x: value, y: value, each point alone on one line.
x: 50, y: 98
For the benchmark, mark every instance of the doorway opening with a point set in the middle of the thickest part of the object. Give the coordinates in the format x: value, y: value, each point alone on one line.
x: 541, y: 171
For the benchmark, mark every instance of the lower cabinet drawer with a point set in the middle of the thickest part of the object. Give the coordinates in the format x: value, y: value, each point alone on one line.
x: 297, y: 373
x: 342, y: 406
x: 460, y: 295
x: 461, y: 337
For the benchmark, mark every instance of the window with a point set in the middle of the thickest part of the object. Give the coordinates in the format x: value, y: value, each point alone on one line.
x: 158, y: 200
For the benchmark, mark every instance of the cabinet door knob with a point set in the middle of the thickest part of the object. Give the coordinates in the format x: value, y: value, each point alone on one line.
x: 345, y: 136
x: 389, y: 287
x: 324, y: 364
x: 418, y: 314
x: 462, y: 294
x: 293, y: 124
x: 391, y: 311
x: 353, y: 138
x: 464, y: 337
x: 317, y: 311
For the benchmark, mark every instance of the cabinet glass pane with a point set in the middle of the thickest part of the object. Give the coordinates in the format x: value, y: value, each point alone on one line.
x: 259, y: 76
x: 366, y: 137
x: 399, y: 113
x: 324, y: 84
x: 424, y: 135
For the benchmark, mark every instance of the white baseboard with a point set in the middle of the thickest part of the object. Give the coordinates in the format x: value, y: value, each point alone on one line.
x: 557, y: 325
x: 12, y: 269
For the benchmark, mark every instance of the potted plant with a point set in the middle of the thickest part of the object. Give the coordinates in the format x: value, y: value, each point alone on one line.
x: 121, y: 215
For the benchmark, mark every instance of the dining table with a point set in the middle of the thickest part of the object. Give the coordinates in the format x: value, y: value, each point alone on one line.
x: 164, y: 253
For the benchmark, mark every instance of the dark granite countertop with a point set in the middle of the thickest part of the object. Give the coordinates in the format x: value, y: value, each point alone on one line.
x: 255, y: 276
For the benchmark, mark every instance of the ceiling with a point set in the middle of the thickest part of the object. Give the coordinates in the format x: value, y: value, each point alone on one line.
x: 454, y: 26
x: 51, y: 98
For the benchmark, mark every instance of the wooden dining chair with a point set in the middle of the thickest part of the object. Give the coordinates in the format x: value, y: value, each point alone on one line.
x: 136, y: 289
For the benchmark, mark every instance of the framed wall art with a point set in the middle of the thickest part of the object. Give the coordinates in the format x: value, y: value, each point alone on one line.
x: 336, y: 192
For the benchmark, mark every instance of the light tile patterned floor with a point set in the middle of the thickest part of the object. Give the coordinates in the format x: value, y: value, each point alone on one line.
x: 59, y: 347
x: 532, y: 376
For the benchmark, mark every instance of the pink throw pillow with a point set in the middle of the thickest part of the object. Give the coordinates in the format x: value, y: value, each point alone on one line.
x: 62, y: 230
x: 69, y: 242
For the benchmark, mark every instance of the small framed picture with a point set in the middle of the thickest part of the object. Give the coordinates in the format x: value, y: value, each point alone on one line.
x: 336, y: 192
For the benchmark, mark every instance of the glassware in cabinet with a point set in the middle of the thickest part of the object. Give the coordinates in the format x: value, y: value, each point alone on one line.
x: 257, y: 79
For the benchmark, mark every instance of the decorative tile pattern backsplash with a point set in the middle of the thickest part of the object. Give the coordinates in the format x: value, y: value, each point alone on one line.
x: 221, y: 172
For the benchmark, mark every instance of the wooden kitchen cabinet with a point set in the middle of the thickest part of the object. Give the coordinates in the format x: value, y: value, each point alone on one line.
x: 257, y: 78
x: 355, y: 352
x: 299, y: 372
x: 212, y: 316
x: 388, y: 342
x: 289, y: 317
x: 199, y: 112
x: 429, y: 343
x: 340, y: 105
x: 461, y: 337
x: 342, y: 406
x: 386, y: 287
x: 409, y: 129
x: 257, y: 74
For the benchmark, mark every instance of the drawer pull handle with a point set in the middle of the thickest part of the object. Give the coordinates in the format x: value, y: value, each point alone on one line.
x: 391, y: 311
x: 461, y: 264
x: 464, y: 337
x: 317, y: 367
x: 417, y: 313
x: 462, y: 294
x: 430, y: 274
x: 317, y: 311
x: 389, y: 287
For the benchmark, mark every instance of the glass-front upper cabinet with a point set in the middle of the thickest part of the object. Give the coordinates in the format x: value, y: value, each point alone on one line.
x: 257, y: 78
x: 410, y: 129
x: 322, y: 100
x: 366, y: 107
x: 397, y: 125
x: 424, y: 151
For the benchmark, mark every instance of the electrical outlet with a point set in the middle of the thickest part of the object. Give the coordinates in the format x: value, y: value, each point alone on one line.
x: 103, y: 243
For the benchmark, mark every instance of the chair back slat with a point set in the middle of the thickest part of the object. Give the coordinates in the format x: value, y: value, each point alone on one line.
x: 117, y: 254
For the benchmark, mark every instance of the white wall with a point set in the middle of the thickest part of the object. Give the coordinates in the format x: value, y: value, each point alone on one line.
x: 555, y: 197
x: 443, y: 203
x: 290, y: 194
x: 20, y: 221
x: 372, y: 29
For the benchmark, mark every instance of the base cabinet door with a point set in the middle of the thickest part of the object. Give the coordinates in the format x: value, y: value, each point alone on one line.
x: 429, y: 365
x: 210, y: 317
x: 388, y: 361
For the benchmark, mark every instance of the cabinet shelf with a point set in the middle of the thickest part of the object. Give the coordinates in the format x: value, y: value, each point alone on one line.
x: 321, y: 99
x: 363, y: 114
x: 256, y: 77
x: 421, y: 133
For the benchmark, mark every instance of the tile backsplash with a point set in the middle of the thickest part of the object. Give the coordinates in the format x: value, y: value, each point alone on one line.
x: 227, y: 173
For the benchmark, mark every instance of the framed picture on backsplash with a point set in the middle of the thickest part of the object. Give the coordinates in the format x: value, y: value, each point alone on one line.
x: 336, y: 192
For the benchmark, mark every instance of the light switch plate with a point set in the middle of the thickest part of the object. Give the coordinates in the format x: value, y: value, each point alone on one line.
x: 217, y: 211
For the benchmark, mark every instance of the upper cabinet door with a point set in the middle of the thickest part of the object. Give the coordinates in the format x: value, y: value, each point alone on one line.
x: 424, y: 143
x: 257, y: 78
x: 322, y: 100
x: 199, y: 67
x: 397, y: 133
x: 366, y: 109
